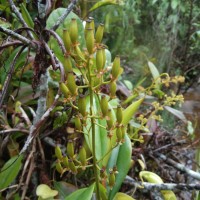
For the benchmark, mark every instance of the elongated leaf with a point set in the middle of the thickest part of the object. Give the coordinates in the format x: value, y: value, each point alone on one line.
x: 154, y: 71
x: 19, y: 63
x: 176, y: 113
x: 12, y: 169
x: 84, y: 193
x: 26, y: 16
x: 122, y: 159
x: 128, y: 114
x: 122, y: 196
x: 130, y: 111
x: 103, y: 192
x: 102, y: 3
x: 150, y: 177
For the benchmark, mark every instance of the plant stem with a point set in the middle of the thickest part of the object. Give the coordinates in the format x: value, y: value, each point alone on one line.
x: 91, y: 93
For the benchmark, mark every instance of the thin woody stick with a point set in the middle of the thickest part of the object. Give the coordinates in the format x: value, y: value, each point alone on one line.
x: 65, y: 14
x: 17, y: 36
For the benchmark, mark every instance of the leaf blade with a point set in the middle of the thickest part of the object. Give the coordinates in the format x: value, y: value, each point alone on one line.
x: 123, y: 165
x: 84, y: 193
x: 12, y: 168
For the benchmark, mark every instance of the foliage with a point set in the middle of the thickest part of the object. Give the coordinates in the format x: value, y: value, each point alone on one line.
x: 165, y: 32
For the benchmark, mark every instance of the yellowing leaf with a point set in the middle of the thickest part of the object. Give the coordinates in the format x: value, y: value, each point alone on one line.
x: 150, y: 177
x: 45, y: 192
x: 122, y: 196
x: 102, y: 3
x: 168, y: 195
x: 154, y: 178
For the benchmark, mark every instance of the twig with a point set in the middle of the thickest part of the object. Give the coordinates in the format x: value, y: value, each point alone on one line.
x: 8, y: 79
x: 10, y: 44
x: 18, y: 14
x: 58, y: 39
x: 35, y: 128
x: 27, y: 161
x: 65, y: 14
x: 179, y: 166
x: 55, y: 62
x: 162, y: 186
x: 181, y: 142
x: 42, y: 154
x: 14, y: 130
x: 31, y: 168
x: 17, y: 36
x: 10, y: 187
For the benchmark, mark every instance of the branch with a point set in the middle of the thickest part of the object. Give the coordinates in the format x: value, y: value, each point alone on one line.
x: 35, y: 128
x: 14, y: 130
x: 62, y: 17
x: 161, y: 186
x: 55, y: 62
x: 17, y: 36
x: 179, y: 166
x: 58, y: 39
x: 18, y: 14
x: 7, y: 44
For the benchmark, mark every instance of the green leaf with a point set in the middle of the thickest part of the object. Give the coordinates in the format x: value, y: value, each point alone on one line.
x: 122, y: 196
x: 20, y: 62
x: 64, y: 189
x: 154, y: 71
x: 84, y: 193
x: 130, y: 111
x: 174, y: 4
x: 26, y: 16
x: 103, y: 192
x: 102, y: 3
x: 122, y: 159
x: 128, y: 84
x: 12, y: 168
x: 4, y: 23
